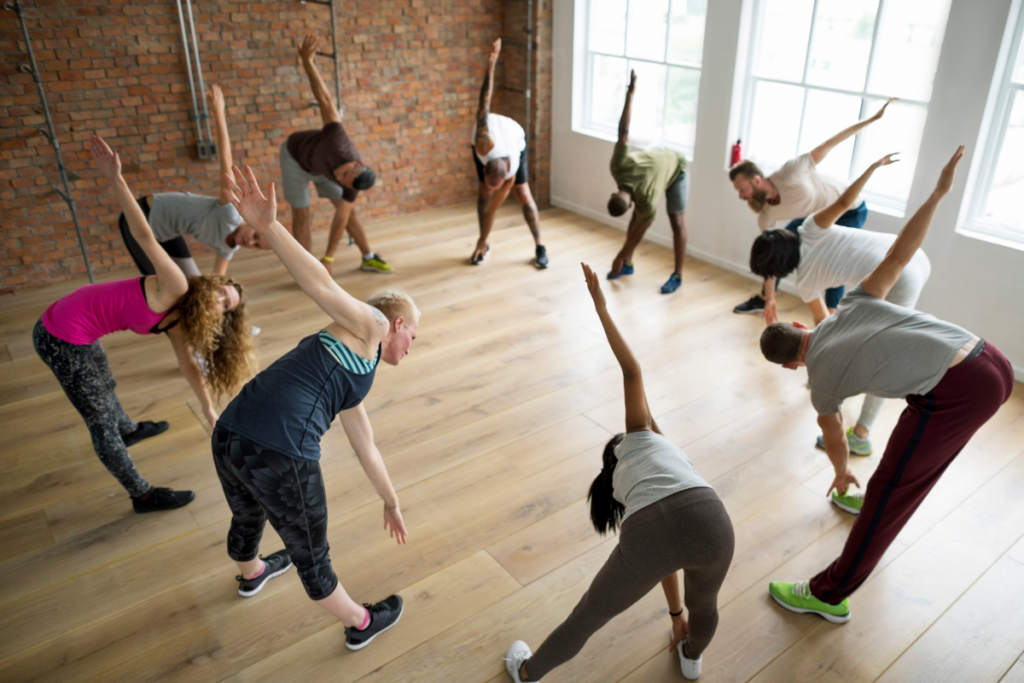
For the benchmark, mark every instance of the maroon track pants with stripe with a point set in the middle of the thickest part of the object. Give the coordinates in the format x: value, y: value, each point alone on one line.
x: 932, y: 431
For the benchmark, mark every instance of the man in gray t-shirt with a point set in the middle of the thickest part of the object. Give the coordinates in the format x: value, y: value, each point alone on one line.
x: 953, y: 383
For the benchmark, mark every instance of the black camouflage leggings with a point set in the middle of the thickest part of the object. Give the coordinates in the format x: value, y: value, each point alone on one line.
x: 262, y: 484
x: 84, y: 374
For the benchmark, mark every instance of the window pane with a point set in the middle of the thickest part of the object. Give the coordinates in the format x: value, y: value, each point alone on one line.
x: 1018, y: 73
x: 900, y: 131
x: 686, y: 39
x: 775, y: 123
x: 607, y: 90
x: 648, y: 112
x: 826, y: 114
x: 782, y: 41
x: 1004, y: 196
x: 681, y: 108
x: 646, y: 27
x: 841, y: 43
x: 908, y: 48
x: 607, y: 31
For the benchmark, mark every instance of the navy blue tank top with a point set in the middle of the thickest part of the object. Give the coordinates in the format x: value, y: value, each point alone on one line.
x: 289, y: 406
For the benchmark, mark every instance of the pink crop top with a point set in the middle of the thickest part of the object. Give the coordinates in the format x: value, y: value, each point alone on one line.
x: 93, y: 311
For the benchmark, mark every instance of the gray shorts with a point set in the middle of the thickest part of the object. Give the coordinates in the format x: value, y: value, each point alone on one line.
x: 296, y: 180
x: 677, y: 193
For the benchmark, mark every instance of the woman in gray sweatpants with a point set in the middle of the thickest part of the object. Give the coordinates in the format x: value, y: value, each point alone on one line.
x: 670, y: 520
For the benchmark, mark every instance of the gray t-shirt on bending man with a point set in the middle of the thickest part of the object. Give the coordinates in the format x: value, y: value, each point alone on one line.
x: 184, y: 213
x: 872, y: 346
x: 650, y: 468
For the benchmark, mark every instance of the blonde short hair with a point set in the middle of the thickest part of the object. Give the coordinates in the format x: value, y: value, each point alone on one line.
x: 394, y: 303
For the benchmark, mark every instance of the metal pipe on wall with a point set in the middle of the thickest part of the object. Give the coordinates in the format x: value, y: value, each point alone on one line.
x: 50, y: 134
x: 211, y: 145
x: 191, y: 82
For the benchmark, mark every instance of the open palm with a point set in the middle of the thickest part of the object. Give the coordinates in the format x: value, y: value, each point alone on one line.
x: 106, y: 159
x: 244, y: 192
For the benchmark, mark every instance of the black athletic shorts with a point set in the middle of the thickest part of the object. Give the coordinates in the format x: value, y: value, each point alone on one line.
x: 175, y: 248
x: 520, y: 174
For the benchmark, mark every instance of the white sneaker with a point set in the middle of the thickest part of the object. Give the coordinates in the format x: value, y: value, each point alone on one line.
x: 689, y: 667
x: 518, y: 653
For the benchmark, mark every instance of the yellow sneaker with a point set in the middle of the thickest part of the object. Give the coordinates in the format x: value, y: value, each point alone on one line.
x: 375, y: 264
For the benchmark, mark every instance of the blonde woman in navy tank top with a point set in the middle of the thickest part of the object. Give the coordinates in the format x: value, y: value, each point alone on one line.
x: 204, y: 316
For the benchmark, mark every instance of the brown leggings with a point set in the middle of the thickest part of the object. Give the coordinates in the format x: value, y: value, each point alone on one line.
x: 689, y: 530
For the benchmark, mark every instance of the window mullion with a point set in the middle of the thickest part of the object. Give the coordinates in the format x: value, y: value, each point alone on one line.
x: 879, y: 16
x: 668, y: 29
x: 800, y: 130
x: 810, y: 42
x: 625, y: 36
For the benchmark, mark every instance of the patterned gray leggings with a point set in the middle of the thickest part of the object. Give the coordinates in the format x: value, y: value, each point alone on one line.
x: 84, y: 374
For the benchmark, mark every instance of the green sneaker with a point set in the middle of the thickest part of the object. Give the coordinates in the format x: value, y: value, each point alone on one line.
x: 376, y: 264
x: 796, y: 597
x: 858, y: 446
x: 849, y: 502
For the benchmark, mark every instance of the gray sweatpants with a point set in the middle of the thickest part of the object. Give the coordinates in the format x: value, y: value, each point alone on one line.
x: 904, y: 293
x: 84, y: 374
x: 689, y: 530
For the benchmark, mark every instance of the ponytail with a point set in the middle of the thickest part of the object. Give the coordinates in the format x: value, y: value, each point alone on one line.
x: 606, y: 512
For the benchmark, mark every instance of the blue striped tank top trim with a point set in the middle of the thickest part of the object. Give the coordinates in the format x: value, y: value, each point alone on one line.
x: 349, y: 360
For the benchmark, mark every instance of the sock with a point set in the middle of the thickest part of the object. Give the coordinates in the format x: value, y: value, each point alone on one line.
x: 366, y: 622
x: 367, y: 257
x: 263, y: 565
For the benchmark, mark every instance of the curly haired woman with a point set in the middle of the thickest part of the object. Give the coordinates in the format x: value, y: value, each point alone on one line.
x: 203, y: 316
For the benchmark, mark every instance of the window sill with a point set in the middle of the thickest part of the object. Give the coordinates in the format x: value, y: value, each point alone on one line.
x: 637, y: 143
x: 973, y: 233
x: 886, y: 209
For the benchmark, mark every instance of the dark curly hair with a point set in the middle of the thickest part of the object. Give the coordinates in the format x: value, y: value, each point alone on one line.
x: 775, y: 253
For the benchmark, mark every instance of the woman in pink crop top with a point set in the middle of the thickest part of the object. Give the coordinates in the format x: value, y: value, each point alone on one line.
x: 203, y: 316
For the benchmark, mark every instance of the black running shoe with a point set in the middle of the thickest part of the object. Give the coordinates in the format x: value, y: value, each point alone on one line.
x: 273, y: 565
x: 163, y: 499
x: 753, y: 305
x: 144, y: 431
x: 383, y: 616
x: 541, y: 259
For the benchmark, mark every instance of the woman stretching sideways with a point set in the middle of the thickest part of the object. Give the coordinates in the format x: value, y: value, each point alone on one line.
x: 266, y: 447
x: 670, y: 520
x: 202, y: 316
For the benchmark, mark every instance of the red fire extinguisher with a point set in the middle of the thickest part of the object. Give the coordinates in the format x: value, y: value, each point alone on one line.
x: 737, y: 153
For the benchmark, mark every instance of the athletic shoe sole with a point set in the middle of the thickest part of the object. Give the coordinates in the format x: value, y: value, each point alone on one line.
x: 824, y: 615
x: 260, y: 587
x: 371, y: 269
x: 752, y: 311
x: 539, y: 266
x: 860, y: 454
x: 360, y: 646
x: 845, y: 508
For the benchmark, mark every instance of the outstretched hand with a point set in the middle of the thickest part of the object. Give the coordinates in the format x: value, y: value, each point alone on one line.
x: 841, y: 484
x: 107, y: 159
x: 310, y: 46
x: 594, y: 285
x: 393, y: 519
x: 495, y: 50
x: 886, y: 160
x: 770, y: 312
x: 632, y: 80
x: 680, y: 630
x: 244, y: 193
x: 945, y: 183
x: 881, y: 112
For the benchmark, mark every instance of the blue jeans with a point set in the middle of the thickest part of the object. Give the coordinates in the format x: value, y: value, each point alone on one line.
x: 854, y: 218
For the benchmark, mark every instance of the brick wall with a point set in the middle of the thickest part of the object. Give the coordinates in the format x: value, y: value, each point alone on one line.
x: 411, y: 72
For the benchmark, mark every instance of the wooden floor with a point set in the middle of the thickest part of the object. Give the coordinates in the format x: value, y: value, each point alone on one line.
x: 492, y: 430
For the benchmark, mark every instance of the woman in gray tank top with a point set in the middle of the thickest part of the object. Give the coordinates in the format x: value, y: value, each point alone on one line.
x: 670, y: 520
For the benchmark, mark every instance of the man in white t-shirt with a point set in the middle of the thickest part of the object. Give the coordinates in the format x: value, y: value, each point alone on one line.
x: 823, y: 256
x: 499, y: 154
x: 794, y: 192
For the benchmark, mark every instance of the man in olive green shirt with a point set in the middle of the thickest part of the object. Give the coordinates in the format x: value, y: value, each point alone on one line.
x: 641, y: 177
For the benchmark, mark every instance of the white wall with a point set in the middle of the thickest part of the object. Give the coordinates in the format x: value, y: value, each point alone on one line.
x: 975, y: 284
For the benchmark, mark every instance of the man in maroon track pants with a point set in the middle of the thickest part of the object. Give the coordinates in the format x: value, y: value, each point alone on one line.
x: 952, y: 380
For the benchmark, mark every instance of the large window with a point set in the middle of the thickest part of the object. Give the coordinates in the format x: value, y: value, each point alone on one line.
x: 817, y: 66
x: 998, y: 193
x: 663, y: 41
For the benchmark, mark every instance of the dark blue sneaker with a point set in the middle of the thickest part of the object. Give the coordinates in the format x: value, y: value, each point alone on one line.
x: 383, y: 616
x: 273, y: 565
x: 673, y: 284
x: 627, y: 269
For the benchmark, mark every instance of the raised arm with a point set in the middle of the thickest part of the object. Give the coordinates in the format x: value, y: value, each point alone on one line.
x: 364, y: 321
x: 819, y: 152
x: 638, y: 415
x: 171, y: 283
x: 831, y: 213
x: 885, y: 275
x: 483, y: 141
x: 627, y: 110
x: 360, y: 434
x: 308, y: 49
x: 216, y: 100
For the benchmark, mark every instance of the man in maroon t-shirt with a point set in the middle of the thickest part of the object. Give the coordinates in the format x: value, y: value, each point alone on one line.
x: 328, y: 159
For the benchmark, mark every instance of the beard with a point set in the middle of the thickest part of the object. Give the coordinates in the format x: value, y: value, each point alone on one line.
x: 757, y: 201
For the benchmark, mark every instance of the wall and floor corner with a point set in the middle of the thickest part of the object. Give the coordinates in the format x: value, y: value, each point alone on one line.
x: 974, y: 283
x: 411, y: 74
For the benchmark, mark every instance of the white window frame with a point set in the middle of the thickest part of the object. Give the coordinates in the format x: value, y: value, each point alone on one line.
x: 582, y: 122
x: 889, y: 204
x: 990, y: 141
